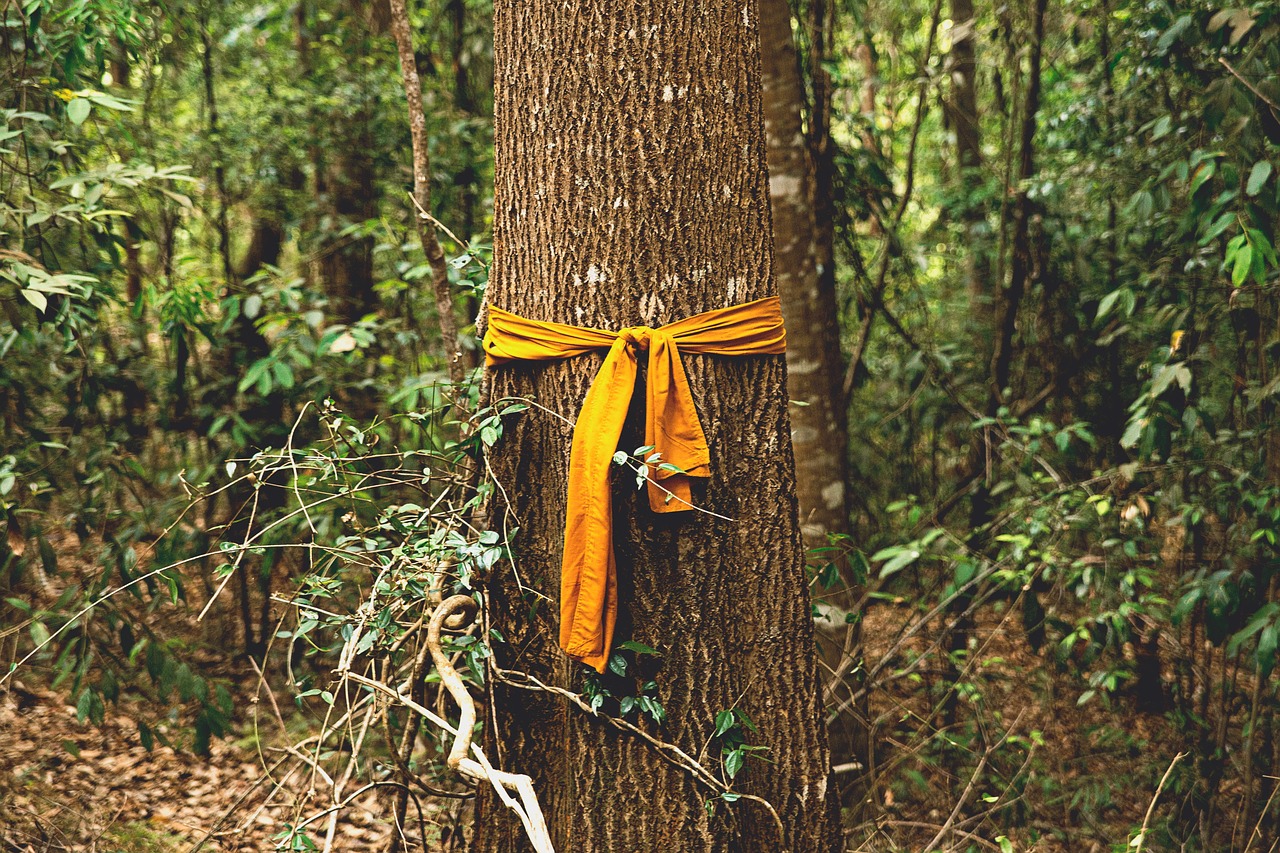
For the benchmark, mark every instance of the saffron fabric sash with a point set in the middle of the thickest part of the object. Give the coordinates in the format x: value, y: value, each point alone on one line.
x: 588, y: 577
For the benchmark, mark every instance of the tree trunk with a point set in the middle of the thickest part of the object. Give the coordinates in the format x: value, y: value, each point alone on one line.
x: 347, y: 175
x: 815, y: 374
x: 815, y: 369
x: 962, y: 114
x: 631, y: 189
x: 822, y: 151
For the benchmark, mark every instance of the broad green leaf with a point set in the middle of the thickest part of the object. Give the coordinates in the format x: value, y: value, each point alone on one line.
x: 1219, y: 225
x: 1243, y: 262
x: 36, y: 298
x: 1257, y: 177
x: 78, y: 110
x: 1203, y: 174
x: 898, y: 563
x: 1266, y: 654
x: 733, y: 762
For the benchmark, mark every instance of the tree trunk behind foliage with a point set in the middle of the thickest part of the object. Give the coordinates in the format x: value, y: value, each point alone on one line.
x: 815, y: 374
x: 815, y: 369
x: 631, y: 189
x: 962, y: 114
x: 346, y: 175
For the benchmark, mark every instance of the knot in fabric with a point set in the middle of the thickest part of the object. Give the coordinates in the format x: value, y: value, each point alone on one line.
x: 588, y: 573
x: 636, y: 337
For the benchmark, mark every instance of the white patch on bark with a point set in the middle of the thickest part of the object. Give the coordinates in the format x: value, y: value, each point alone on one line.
x: 833, y: 494
x: 728, y: 193
x: 802, y: 367
x: 651, y: 306
x: 803, y: 434
x: 668, y: 93
x: 784, y: 186
x: 733, y: 290
x: 595, y: 275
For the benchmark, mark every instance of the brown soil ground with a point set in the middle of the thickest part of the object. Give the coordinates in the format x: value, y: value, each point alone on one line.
x: 78, y: 787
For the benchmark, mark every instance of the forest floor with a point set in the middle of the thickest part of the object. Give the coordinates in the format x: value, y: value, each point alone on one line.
x: 66, y: 785
x: 1062, y: 776
x: 1079, y: 778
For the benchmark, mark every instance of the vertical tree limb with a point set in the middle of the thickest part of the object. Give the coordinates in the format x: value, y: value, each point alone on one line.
x: 422, y: 190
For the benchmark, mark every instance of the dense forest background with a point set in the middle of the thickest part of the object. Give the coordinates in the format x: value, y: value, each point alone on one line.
x: 233, y: 430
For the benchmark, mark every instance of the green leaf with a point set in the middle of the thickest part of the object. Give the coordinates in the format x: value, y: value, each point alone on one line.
x: 1219, y: 225
x: 1266, y: 654
x: 36, y: 298
x: 639, y: 648
x: 1203, y: 174
x: 1260, y: 620
x: 1257, y: 177
x: 84, y: 704
x: 898, y: 563
x: 733, y: 762
x: 724, y: 722
x: 78, y: 110
x: 1243, y: 262
x: 1174, y: 32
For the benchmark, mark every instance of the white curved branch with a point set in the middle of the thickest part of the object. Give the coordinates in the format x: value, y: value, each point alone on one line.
x: 456, y: 612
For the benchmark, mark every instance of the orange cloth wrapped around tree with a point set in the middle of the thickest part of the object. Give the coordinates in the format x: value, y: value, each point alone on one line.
x: 588, y: 577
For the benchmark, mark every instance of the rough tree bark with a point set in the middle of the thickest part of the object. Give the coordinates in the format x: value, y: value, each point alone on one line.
x: 815, y: 369
x: 815, y: 366
x: 631, y: 190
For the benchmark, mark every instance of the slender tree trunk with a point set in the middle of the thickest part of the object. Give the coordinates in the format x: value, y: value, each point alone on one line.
x: 815, y: 372
x: 984, y: 453
x: 631, y: 189
x: 1020, y: 266
x: 347, y: 177
x: 431, y: 248
x: 962, y: 114
x: 821, y: 148
x: 815, y: 369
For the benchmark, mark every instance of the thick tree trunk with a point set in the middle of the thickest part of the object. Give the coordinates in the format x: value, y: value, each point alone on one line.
x: 631, y: 189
